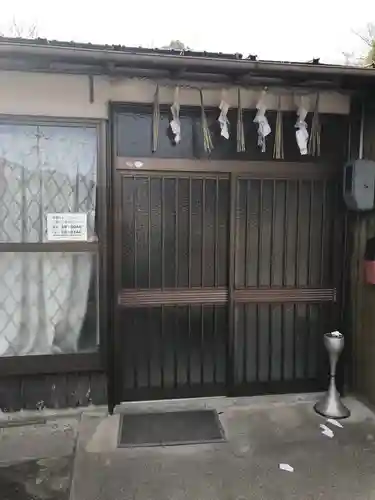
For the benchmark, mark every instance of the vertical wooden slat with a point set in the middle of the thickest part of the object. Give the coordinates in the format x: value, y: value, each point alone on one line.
x: 310, y: 226
x: 176, y: 246
x: 240, y: 234
x: 300, y: 340
x: 215, y: 349
x: 209, y: 347
x: 149, y: 232
x: 216, y: 236
x: 285, y: 246
x: 270, y: 346
x: 308, y: 354
x: 303, y: 232
x: 183, y: 232
x: 276, y: 339
x: 134, y: 213
x: 297, y: 242
x: 136, y: 354
x: 142, y: 233
x: 169, y: 221
x: 156, y: 230
x: 148, y: 348
x: 209, y: 225
x: 161, y: 347
x: 203, y: 215
x: 190, y: 233
x: 244, y: 346
x: 263, y: 338
x: 224, y: 228
x: 188, y: 375
x: 201, y: 353
x: 294, y: 352
x: 288, y: 351
x: 248, y: 262
x: 162, y: 204
x: 260, y: 227
x: 323, y: 231
x: 176, y: 341
x: 266, y: 234
x: 292, y: 234
x: 272, y: 259
x: 282, y: 340
x: 231, y: 283
x: 98, y: 386
x: 257, y: 329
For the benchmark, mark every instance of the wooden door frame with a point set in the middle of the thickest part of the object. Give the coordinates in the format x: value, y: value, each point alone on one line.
x: 276, y: 169
x: 257, y: 170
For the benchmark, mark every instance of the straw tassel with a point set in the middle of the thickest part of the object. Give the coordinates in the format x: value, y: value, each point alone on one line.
x: 314, y: 142
x: 155, y: 120
x: 278, y: 147
x: 207, y: 139
x: 241, y: 145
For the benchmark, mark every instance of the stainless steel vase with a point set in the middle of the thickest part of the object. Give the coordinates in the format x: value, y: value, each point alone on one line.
x: 331, y: 405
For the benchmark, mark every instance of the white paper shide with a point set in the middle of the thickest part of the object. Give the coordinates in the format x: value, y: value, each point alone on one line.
x: 175, y: 123
x: 67, y: 227
x: 264, y: 128
x: 302, y: 134
x: 223, y: 119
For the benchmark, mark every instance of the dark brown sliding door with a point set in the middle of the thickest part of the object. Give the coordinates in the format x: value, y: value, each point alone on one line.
x: 284, y: 284
x: 224, y: 282
x: 172, y: 259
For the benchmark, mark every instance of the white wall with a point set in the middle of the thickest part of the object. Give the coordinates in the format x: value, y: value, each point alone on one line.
x: 62, y: 95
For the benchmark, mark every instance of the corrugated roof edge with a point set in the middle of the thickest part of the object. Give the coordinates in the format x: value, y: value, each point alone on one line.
x: 171, y: 60
x: 120, y: 48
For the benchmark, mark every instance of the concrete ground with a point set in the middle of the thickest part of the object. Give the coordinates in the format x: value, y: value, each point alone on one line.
x: 74, y: 456
x: 37, y: 455
x: 261, y: 433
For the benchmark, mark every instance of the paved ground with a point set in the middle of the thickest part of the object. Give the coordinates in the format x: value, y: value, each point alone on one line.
x: 36, y: 460
x: 36, y: 456
x: 261, y: 433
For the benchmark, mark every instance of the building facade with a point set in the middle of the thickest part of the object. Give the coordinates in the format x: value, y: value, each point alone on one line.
x: 197, y: 268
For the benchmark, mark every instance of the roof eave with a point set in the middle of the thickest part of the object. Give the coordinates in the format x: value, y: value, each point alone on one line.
x: 175, y: 63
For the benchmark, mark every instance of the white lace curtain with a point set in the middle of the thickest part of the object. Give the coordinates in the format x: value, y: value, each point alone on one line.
x: 43, y: 296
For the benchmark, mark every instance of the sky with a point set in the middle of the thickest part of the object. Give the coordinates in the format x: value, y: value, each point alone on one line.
x: 288, y: 30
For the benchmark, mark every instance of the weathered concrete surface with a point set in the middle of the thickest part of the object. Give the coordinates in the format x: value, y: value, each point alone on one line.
x: 52, y: 438
x: 36, y: 460
x: 261, y: 432
x: 44, y: 479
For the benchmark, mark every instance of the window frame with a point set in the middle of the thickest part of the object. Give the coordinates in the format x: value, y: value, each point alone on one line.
x: 70, y: 362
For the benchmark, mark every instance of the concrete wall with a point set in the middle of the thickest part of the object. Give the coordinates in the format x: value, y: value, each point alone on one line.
x: 62, y: 95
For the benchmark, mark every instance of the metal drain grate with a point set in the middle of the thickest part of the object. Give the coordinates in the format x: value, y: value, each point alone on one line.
x: 170, y: 428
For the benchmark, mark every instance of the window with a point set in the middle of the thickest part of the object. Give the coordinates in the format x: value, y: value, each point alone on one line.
x: 48, y: 294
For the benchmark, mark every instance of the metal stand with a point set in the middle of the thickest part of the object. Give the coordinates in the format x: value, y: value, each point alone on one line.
x: 331, y: 406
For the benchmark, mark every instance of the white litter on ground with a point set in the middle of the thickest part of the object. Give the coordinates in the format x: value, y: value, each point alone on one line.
x: 286, y: 467
x: 326, y: 431
x: 335, y: 422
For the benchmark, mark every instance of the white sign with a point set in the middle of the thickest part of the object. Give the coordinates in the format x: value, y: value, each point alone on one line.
x: 67, y: 227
